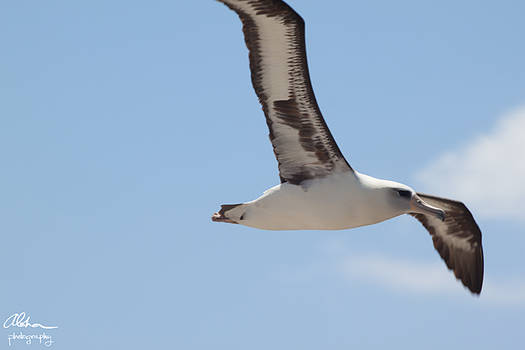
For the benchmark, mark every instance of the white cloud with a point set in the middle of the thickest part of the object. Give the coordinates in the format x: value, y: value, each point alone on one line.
x: 488, y: 172
x: 426, y: 279
x: 400, y: 275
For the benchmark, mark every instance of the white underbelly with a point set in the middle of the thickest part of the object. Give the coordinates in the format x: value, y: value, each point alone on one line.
x: 331, y: 204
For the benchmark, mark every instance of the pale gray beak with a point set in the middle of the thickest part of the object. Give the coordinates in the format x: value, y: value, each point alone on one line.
x: 417, y: 205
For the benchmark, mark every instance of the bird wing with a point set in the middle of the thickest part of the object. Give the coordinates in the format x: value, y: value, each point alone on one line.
x: 302, y: 143
x: 457, y: 240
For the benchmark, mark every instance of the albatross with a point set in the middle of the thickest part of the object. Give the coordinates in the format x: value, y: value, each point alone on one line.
x: 319, y: 190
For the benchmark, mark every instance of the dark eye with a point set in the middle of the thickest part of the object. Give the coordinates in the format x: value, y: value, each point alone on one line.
x: 404, y: 193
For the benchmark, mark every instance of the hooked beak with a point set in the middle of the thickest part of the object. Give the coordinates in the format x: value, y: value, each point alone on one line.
x: 417, y: 205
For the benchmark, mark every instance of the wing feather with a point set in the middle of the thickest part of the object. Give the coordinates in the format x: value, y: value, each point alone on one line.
x: 302, y: 142
x: 457, y: 240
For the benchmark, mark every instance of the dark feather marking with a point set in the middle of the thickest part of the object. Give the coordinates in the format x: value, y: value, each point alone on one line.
x: 315, y: 139
x: 459, y: 225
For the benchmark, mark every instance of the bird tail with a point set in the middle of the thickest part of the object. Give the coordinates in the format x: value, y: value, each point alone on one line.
x: 230, y: 213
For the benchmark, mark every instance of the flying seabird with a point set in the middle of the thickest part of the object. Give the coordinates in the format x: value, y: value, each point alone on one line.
x: 319, y: 190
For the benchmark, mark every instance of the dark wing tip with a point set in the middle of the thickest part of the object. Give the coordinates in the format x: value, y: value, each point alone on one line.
x: 478, y: 281
x: 467, y: 266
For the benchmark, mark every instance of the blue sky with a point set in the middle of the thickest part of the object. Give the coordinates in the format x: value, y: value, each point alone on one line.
x: 124, y: 126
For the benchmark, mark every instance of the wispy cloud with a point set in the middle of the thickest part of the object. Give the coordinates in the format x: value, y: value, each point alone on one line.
x: 488, y: 172
x: 401, y: 275
x: 426, y: 279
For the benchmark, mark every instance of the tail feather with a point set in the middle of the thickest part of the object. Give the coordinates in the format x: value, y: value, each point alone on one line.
x: 230, y: 213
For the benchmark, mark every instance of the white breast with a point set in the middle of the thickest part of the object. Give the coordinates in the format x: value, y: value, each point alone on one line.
x: 338, y: 201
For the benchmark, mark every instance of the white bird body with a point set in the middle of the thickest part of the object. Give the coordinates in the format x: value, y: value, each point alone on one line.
x: 338, y: 201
